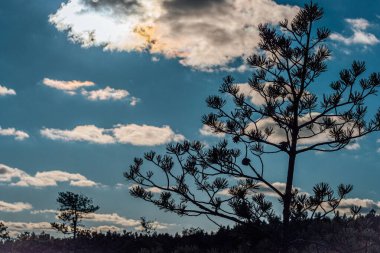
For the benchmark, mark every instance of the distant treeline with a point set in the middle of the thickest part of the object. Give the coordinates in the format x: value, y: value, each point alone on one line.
x: 340, y: 234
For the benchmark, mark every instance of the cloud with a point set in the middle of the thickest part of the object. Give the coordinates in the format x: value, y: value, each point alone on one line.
x: 144, y: 135
x: 17, y: 177
x: 353, y: 146
x: 133, y: 101
x: 207, y: 131
x: 108, y: 219
x: 107, y: 93
x: 4, y: 91
x: 306, y: 136
x: 148, y: 189
x: 88, y: 133
x: 359, y: 36
x: 366, y: 204
x: 254, y: 96
x: 195, y: 32
x: 116, y: 219
x: 67, y: 86
x: 19, y: 135
x: 139, y: 135
x: 106, y: 228
x: 112, y: 218
x: 14, y: 207
x: 27, y: 226
x: 43, y: 211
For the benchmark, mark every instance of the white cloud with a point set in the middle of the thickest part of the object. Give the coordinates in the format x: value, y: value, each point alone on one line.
x: 107, y: 93
x: 359, y: 36
x: 359, y: 23
x: 144, y: 135
x: 14, y: 207
x: 112, y: 218
x: 4, y: 91
x: 139, y: 135
x: 106, y: 228
x: 353, y: 146
x: 254, y: 96
x: 43, y: 211
x: 133, y: 101
x: 306, y: 136
x: 107, y: 219
x: 68, y: 86
x: 19, y: 135
x: 89, y: 133
x: 17, y: 177
x: 195, y: 32
x: 155, y: 59
x: 366, y: 204
x: 207, y: 131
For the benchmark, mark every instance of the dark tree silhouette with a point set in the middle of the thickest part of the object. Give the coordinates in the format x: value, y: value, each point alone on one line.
x: 280, y: 114
x: 147, y: 225
x: 72, y: 208
x: 3, y: 231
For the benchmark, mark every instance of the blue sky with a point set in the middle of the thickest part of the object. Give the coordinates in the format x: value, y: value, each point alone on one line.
x: 76, y: 107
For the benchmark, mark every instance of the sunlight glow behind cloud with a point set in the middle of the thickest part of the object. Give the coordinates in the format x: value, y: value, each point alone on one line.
x: 203, y: 35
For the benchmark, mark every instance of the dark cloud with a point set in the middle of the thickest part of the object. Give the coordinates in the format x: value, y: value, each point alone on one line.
x: 117, y: 6
x: 180, y: 8
x: 191, y: 4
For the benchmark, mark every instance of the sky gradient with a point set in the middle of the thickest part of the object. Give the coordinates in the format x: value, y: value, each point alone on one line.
x: 87, y: 85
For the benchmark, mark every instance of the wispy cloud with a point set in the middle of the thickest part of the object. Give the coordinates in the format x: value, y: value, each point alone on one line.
x: 107, y: 93
x: 67, y: 86
x: 18, y: 134
x: 359, y: 36
x: 353, y: 146
x: 4, y: 91
x: 17, y: 177
x: 139, y: 135
x: 111, y: 221
x: 14, y: 207
x: 133, y: 101
x: 195, y: 32
x: 17, y: 227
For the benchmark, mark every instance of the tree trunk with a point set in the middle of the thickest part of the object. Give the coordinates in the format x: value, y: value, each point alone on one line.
x: 287, y: 199
x: 75, y: 228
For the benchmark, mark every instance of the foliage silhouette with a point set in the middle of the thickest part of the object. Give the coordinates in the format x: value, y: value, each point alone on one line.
x: 72, y: 208
x: 339, y: 234
x: 284, y: 116
x: 4, y: 234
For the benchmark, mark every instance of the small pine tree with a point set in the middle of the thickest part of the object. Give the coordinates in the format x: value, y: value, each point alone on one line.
x: 72, y: 208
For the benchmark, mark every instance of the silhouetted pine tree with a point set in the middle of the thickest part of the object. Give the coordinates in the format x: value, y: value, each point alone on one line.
x: 284, y: 116
x: 72, y: 208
